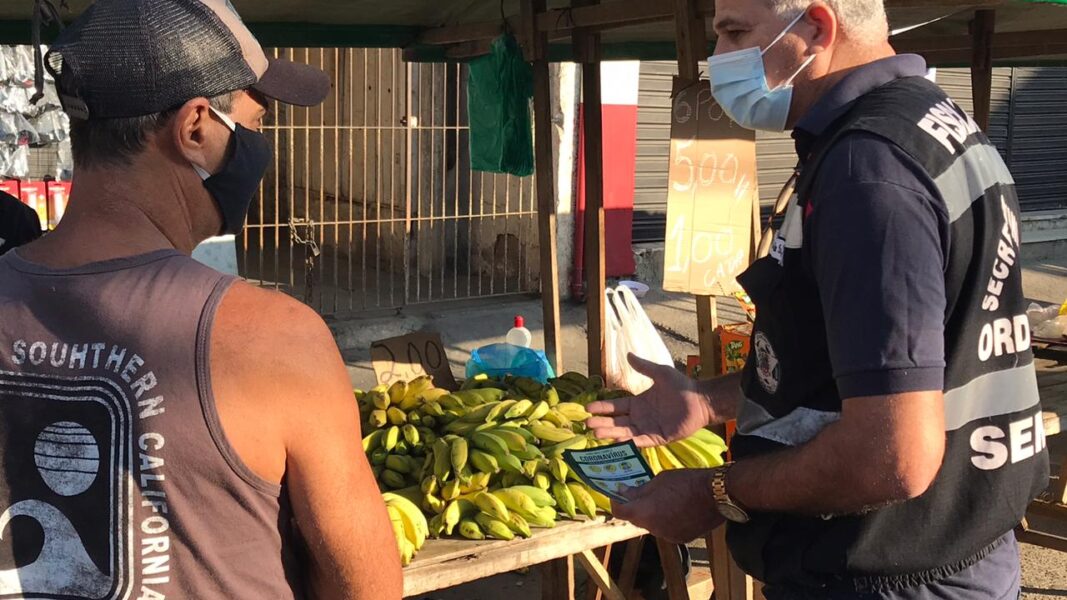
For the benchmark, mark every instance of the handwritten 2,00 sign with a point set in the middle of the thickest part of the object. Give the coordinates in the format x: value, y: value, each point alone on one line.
x: 712, y: 185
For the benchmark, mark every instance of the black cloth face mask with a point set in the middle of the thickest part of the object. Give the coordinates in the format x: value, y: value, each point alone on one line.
x: 234, y: 187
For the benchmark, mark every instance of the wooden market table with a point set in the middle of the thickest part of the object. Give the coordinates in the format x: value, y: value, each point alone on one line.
x: 445, y: 563
x: 1050, y: 510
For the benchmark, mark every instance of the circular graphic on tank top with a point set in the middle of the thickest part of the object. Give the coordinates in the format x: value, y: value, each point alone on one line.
x: 767, y: 368
x: 67, y: 457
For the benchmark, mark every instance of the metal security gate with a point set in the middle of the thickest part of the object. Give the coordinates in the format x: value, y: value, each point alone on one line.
x: 371, y: 203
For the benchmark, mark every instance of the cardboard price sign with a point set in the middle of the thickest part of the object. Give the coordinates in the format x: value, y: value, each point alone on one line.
x: 712, y: 185
x: 409, y: 356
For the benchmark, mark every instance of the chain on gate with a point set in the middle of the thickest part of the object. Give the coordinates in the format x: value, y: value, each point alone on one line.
x: 311, y: 252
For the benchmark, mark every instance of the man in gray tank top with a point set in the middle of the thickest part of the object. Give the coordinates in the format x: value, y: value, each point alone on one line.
x: 168, y: 432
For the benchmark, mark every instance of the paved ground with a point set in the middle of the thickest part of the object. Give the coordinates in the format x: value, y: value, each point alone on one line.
x: 466, y: 326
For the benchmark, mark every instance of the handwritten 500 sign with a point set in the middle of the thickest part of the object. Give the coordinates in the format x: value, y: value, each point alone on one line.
x: 712, y: 184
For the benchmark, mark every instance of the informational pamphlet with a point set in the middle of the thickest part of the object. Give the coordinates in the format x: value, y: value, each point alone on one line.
x: 610, y: 470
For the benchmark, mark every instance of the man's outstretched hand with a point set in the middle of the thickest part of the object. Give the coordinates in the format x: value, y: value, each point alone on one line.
x: 672, y: 409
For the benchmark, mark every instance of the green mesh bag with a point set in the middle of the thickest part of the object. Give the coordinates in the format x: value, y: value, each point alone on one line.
x: 499, y: 88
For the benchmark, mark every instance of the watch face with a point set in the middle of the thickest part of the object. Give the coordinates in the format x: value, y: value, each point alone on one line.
x: 732, y: 513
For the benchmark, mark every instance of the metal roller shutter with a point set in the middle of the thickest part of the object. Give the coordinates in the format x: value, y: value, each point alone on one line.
x: 776, y: 156
x: 957, y: 84
x: 653, y: 150
x: 1038, y: 149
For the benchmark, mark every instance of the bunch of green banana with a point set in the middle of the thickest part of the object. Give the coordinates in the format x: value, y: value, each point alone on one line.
x: 484, y: 461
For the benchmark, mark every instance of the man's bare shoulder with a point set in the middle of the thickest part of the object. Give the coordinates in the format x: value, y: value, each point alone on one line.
x: 262, y: 321
x: 266, y: 341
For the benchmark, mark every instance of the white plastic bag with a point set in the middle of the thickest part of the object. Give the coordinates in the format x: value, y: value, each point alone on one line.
x: 1038, y: 314
x: 628, y: 330
x: 1053, y: 329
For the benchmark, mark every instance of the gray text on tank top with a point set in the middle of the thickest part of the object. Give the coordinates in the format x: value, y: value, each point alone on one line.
x: 116, y: 480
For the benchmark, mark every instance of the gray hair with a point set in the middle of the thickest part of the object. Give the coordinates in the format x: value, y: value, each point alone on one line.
x: 114, y: 142
x: 859, y: 19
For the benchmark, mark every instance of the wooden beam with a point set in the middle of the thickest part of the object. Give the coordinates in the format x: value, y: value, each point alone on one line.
x: 457, y: 34
x: 626, y: 13
x: 1001, y: 41
x: 691, y: 42
x: 621, y: 13
x: 587, y: 47
x: 546, y: 186
x: 673, y: 573
x: 949, y: 4
x: 557, y: 579
x: 982, y: 64
x: 708, y: 342
x: 630, y: 559
x: 1059, y: 489
x: 1044, y: 540
x: 471, y: 49
x: 598, y: 575
x: 449, y: 562
x: 603, y: 556
x: 690, y: 38
x: 963, y: 57
x: 1049, y: 510
x: 719, y: 559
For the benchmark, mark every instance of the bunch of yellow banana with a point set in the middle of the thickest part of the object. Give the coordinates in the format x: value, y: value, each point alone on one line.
x: 484, y: 461
x: 409, y: 524
x: 702, y: 450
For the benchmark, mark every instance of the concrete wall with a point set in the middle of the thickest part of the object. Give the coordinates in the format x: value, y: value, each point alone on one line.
x: 566, y: 82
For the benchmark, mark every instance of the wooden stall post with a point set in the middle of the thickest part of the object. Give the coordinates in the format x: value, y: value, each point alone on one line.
x: 982, y: 64
x: 691, y: 42
x: 557, y: 579
x: 536, y: 45
x: 587, y: 47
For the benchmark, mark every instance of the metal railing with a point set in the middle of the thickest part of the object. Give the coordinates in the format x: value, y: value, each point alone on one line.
x: 371, y: 203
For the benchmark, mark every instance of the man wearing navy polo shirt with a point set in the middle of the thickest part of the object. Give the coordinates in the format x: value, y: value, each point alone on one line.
x: 889, y: 429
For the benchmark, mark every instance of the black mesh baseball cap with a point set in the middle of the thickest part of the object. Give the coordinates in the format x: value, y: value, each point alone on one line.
x: 127, y: 58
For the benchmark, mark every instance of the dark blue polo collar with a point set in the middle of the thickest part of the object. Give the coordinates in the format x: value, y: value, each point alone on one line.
x: 857, y: 83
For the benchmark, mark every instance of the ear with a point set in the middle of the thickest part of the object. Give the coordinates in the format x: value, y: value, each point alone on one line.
x: 824, y: 20
x: 188, y: 131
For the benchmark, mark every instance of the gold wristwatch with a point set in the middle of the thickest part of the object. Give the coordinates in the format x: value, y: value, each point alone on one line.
x: 729, y: 509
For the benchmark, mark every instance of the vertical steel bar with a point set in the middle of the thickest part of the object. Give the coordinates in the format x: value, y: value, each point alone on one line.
x: 392, y: 176
x: 307, y: 175
x: 495, y: 218
x: 363, y: 179
x: 418, y: 168
x: 291, y: 170
x: 470, y: 222
x: 457, y: 166
x: 432, y: 206
x: 276, y: 276
x: 444, y: 174
x: 378, y: 180
x: 408, y: 150
x: 481, y: 225
x: 336, y: 160
x: 350, y: 53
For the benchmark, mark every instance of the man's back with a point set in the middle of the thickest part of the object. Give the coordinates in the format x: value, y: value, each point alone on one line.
x: 112, y: 443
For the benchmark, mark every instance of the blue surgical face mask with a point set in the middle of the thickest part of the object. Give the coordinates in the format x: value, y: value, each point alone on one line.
x: 739, y: 85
